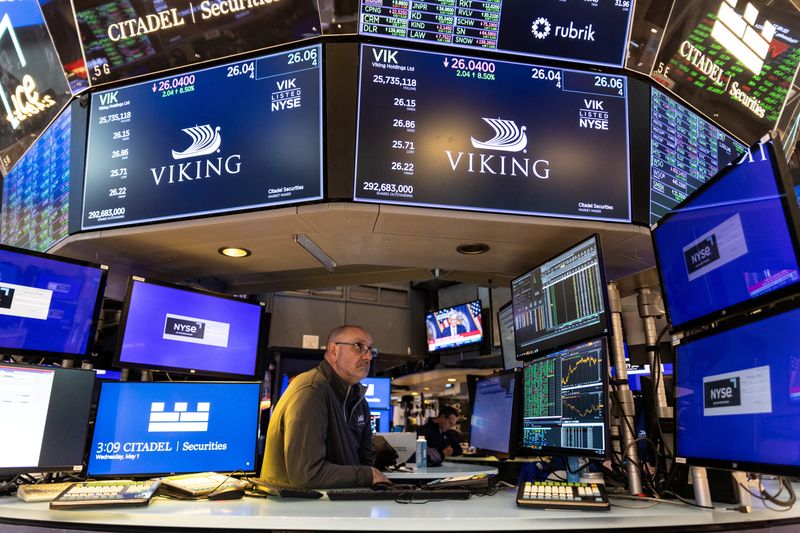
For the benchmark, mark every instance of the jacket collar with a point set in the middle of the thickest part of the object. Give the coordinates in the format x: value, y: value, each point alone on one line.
x: 339, y: 385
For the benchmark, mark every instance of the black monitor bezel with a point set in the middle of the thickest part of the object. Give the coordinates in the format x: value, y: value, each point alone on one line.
x: 724, y: 464
x: 459, y: 347
x: 605, y: 322
x: 258, y: 361
x: 563, y: 450
x: 515, y: 423
x: 503, y: 354
x: 791, y: 213
x: 90, y: 341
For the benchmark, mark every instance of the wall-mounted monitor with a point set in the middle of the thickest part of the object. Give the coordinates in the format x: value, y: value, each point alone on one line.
x: 46, y: 415
x: 494, y: 424
x: 737, y: 396
x: 173, y: 328
x: 564, y: 401
x: 593, y: 32
x: 686, y: 150
x: 562, y: 301
x: 148, y: 429
x: 459, y: 326
x: 239, y: 136
x: 49, y: 305
x: 733, y: 244
x: 464, y: 132
x: 127, y: 38
x: 505, y: 322
x: 378, y: 395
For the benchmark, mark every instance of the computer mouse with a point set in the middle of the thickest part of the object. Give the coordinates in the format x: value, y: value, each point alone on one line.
x: 383, y: 485
x: 226, y: 493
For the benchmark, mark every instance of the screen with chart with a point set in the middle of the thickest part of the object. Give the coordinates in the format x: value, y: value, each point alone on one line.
x: 561, y: 302
x: 737, y: 402
x: 463, y: 132
x: 454, y: 327
x: 564, y: 401
x: 685, y: 151
x: 237, y: 136
x: 594, y: 32
x: 505, y: 323
x: 733, y: 244
x: 493, y: 426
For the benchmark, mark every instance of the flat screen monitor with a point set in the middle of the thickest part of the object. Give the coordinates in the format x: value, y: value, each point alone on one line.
x: 562, y: 301
x: 505, y: 323
x: 737, y: 396
x: 380, y: 420
x: 146, y: 429
x: 378, y: 392
x: 174, y: 328
x: 454, y: 327
x: 493, y: 424
x: 49, y: 305
x: 45, y: 413
x: 732, y: 245
x: 468, y: 132
x: 564, y: 401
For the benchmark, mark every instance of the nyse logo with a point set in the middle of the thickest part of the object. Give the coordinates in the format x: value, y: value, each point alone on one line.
x: 540, y: 29
x: 109, y: 98
x: 205, y: 141
x: 287, y: 96
x: 737, y: 33
x: 722, y: 393
x: 180, y: 419
x: 184, y: 328
x: 6, y: 297
x: 701, y: 254
x: 592, y: 115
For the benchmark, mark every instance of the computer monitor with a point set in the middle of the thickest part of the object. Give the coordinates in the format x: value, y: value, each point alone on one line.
x: 505, y: 324
x: 380, y: 420
x: 378, y: 392
x: 737, y: 396
x: 564, y: 401
x: 493, y: 424
x: 147, y: 428
x: 49, y: 305
x: 454, y: 327
x: 174, y: 328
x: 563, y: 301
x: 732, y: 246
x: 45, y: 413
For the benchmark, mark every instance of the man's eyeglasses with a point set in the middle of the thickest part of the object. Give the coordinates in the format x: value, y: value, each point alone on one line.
x: 362, y: 348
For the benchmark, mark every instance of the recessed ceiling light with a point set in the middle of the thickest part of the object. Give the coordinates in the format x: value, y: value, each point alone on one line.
x: 452, y: 380
x: 472, y: 248
x: 653, y: 30
x: 232, y: 251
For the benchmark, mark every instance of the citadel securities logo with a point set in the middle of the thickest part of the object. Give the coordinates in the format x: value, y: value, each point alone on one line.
x: 180, y: 419
x: 205, y: 141
x: 540, y: 29
x: 508, y: 137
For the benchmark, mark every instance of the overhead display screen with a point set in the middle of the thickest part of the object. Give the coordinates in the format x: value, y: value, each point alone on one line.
x: 460, y: 132
x: 593, y: 31
x: 685, y: 151
x: 735, y: 61
x: 237, y: 136
x: 127, y: 38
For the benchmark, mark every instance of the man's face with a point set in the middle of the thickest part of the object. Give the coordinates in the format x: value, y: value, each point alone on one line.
x: 346, y: 360
x: 447, y: 422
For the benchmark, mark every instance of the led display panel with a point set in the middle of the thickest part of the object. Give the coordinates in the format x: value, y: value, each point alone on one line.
x: 444, y: 130
x: 685, y: 151
x: 238, y: 136
x: 127, y: 38
x: 33, y: 89
x: 734, y: 60
x: 594, y: 32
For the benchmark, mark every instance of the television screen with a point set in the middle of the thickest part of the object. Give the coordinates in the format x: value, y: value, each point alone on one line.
x: 562, y: 301
x: 564, y: 401
x: 494, y: 409
x: 593, y: 32
x: 49, y: 305
x: 46, y: 414
x: 737, y: 401
x: 378, y: 394
x: 445, y: 130
x: 168, y: 148
x: 146, y: 429
x: 380, y: 420
x: 454, y: 327
x: 731, y: 245
x: 505, y: 321
x: 685, y: 151
x: 169, y: 327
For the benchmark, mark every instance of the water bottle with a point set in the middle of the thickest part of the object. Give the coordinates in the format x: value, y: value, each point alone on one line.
x: 422, y: 452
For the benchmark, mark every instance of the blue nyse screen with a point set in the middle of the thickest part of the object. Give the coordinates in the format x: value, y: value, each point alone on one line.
x: 378, y: 392
x: 594, y: 31
x: 738, y: 397
x: 445, y: 130
x: 237, y: 136
x: 159, y: 428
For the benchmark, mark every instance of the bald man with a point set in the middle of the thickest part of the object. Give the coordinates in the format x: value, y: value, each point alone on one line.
x: 319, y: 435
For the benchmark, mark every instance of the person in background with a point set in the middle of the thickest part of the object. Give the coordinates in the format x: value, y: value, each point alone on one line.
x: 440, y: 434
x: 319, y: 434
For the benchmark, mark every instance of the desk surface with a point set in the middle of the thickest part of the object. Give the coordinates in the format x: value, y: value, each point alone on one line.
x: 446, y: 469
x: 489, y: 513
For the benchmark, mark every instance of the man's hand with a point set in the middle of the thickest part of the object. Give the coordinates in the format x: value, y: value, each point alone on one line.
x: 378, y: 477
x: 448, y: 451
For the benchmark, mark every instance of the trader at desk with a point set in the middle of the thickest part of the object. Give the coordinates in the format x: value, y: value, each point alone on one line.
x: 440, y: 434
x: 319, y: 435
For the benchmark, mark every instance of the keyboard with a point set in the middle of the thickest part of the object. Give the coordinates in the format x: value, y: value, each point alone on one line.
x: 406, y: 495
x: 563, y: 495
x: 284, y: 491
x: 198, y: 485
x: 106, y: 494
x: 41, y: 492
